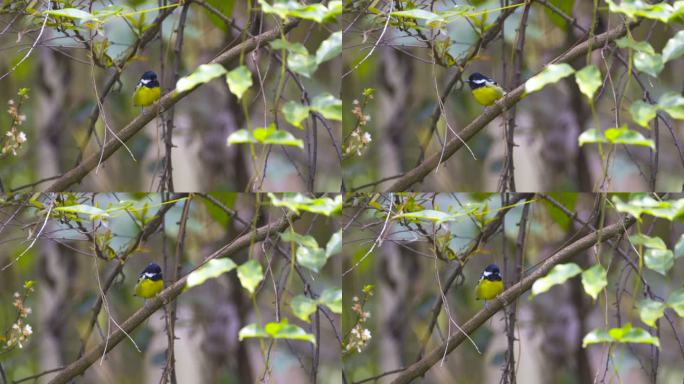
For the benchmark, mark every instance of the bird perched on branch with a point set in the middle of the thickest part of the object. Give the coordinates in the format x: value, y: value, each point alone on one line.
x: 150, y: 281
x: 147, y: 91
x: 490, y: 284
x: 485, y: 90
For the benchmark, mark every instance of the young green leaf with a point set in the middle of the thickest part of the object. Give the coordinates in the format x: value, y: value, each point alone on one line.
x: 659, y: 260
x: 268, y: 135
x: 622, y: 135
x: 639, y: 46
x: 643, y: 112
x: 651, y: 64
x: 211, y: 270
x: 648, y: 241
x: 93, y: 213
x: 558, y: 275
x: 250, y: 275
x: 71, y: 13
x: 332, y: 298
x: 679, y: 247
x: 589, y: 80
x: 327, y: 105
x: 676, y: 301
x: 431, y: 19
x: 311, y: 258
x: 626, y: 334
x: 640, y: 204
x: 303, y: 307
x: 203, y: 74
x: 674, y: 47
x: 673, y: 104
x: 239, y: 80
x: 650, y: 311
x: 297, y: 202
x: 334, y: 245
x: 281, y: 330
x: 329, y: 48
x: 550, y: 75
x: 594, y: 280
x: 295, y: 112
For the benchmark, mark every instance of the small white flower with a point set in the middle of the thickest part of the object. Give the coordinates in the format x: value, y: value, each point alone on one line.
x: 366, y: 138
x: 21, y: 137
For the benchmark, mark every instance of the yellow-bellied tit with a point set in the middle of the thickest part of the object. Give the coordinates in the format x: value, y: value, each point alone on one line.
x: 150, y: 281
x: 485, y: 90
x: 490, y: 284
x: 147, y: 91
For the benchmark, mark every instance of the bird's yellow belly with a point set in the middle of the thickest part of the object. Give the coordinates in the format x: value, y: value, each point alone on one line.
x: 487, y: 289
x: 145, y: 96
x: 149, y: 288
x: 487, y: 95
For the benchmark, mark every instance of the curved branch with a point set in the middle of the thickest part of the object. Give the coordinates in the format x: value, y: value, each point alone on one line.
x: 513, y: 97
x: 512, y: 293
x: 169, y: 294
x: 77, y: 173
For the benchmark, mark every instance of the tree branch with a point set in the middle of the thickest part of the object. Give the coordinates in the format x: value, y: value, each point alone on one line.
x: 77, y: 173
x: 419, y: 368
x: 513, y: 97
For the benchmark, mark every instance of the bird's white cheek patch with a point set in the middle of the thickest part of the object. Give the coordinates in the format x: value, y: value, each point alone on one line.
x: 145, y: 81
x: 481, y: 81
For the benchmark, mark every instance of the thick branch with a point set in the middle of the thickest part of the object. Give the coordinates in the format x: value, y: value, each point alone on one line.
x: 168, y: 100
x: 418, y: 173
x: 166, y: 296
x: 508, y: 296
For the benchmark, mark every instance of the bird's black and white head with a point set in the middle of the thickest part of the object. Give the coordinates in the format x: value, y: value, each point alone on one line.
x: 152, y: 271
x: 477, y: 80
x: 149, y: 80
x: 491, y: 273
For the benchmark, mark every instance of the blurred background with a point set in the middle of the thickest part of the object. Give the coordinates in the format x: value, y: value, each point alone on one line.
x: 61, y: 99
x: 405, y: 265
x: 67, y: 276
x: 407, y: 81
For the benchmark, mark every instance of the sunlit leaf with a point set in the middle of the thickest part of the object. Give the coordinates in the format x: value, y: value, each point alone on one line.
x: 203, y: 74
x: 212, y: 269
x: 679, y: 247
x: 626, y: 334
x: 84, y: 209
x: 639, y: 46
x: 559, y: 274
x: 659, y: 260
x: 311, y: 258
x: 589, y: 80
x: 327, y: 105
x: 673, y: 104
x: 239, y: 80
x: 644, y: 203
x: 648, y: 241
x: 594, y: 280
x: 662, y: 11
x: 268, y: 135
x: 281, y: 330
x: 298, y: 202
x: 295, y: 112
x: 676, y: 301
x: 643, y: 112
x: 332, y: 298
x: 429, y: 215
x: 550, y: 75
x: 431, y: 19
x: 622, y: 135
x: 303, y: 307
x: 71, y: 13
x: 650, y: 311
x: 250, y: 274
x: 648, y: 63
x: 303, y: 240
x: 334, y: 245
x: 674, y: 47
x: 329, y: 48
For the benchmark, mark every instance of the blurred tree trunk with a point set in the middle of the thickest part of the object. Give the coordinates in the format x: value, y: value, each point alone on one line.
x: 56, y: 268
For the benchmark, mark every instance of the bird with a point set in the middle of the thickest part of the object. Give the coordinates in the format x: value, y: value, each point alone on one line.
x: 150, y: 281
x: 147, y: 91
x: 485, y: 90
x: 490, y: 284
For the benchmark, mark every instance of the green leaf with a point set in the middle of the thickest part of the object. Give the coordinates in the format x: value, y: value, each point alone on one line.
x: 329, y: 48
x: 673, y: 104
x: 589, y: 80
x: 643, y: 112
x: 626, y: 334
x: 431, y: 19
x: 674, y: 47
x: 550, y: 75
x: 298, y: 58
x: 334, y: 245
x: 649, y: 64
x: 558, y: 275
x: 311, y: 258
x: 203, y: 74
x: 239, y: 80
x: 644, y: 203
x: 211, y: 270
x: 679, y: 247
x: 71, y: 13
x: 295, y: 112
x: 303, y: 240
x: 676, y: 301
x: 281, y: 330
x: 594, y: 280
x: 303, y: 307
x: 429, y: 215
x: 659, y: 260
x: 327, y: 105
x: 639, y: 46
x: 648, y: 241
x: 622, y: 135
x: 251, y: 331
x: 84, y: 209
x: 332, y: 298
x: 650, y: 311
x: 297, y: 202
x: 638, y: 8
x: 250, y: 275
x: 266, y: 136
